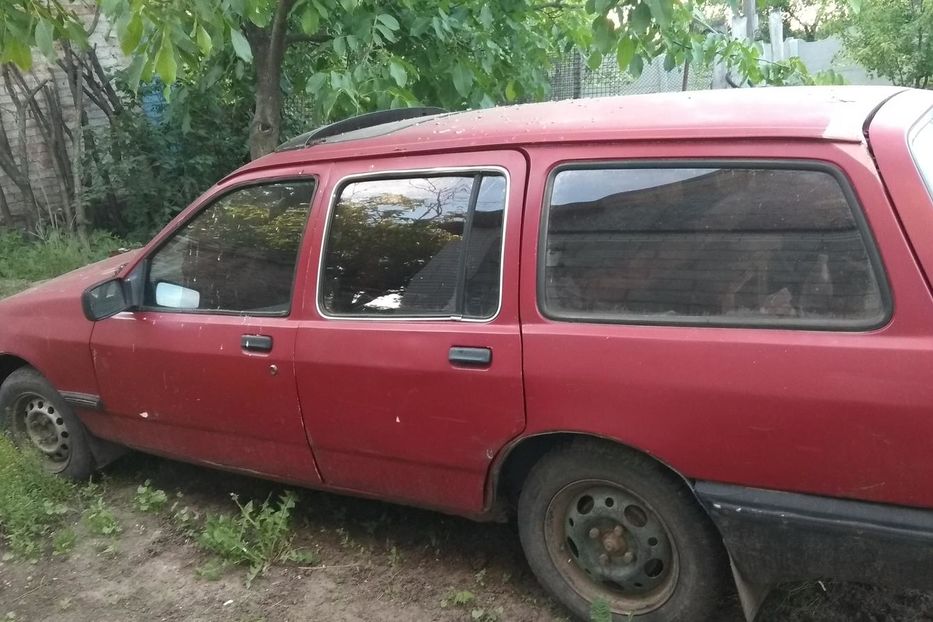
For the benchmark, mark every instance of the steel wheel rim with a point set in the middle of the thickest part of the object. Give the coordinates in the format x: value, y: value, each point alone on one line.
x: 611, y: 545
x: 39, y: 425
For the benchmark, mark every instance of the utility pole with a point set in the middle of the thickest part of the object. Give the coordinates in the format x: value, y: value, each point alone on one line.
x: 750, y: 21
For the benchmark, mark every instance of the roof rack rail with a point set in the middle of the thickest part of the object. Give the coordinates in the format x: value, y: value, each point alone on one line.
x: 359, y: 122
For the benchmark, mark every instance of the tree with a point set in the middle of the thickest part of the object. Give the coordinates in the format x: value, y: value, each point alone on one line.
x: 893, y: 39
x: 359, y: 55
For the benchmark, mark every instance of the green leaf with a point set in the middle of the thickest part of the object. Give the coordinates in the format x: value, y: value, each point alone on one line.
x: 669, y: 62
x: 310, y: 21
x: 315, y: 83
x: 19, y: 54
x: 463, y: 79
x: 241, y: 45
x: 340, y: 46
x: 165, y: 65
x: 204, y: 41
x: 511, y: 92
x: 134, y: 32
x: 636, y: 66
x: 389, y: 21
x: 485, y: 16
x: 641, y: 18
x: 44, y: 37
x: 398, y: 73
x: 625, y: 52
x: 661, y: 11
x: 135, y: 71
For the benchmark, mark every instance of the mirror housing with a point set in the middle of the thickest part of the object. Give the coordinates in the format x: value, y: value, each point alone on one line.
x: 105, y: 300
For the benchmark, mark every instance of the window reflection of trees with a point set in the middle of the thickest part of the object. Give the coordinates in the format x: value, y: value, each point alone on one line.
x: 240, y: 252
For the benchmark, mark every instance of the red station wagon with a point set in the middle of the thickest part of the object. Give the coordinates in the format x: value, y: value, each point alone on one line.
x: 663, y: 332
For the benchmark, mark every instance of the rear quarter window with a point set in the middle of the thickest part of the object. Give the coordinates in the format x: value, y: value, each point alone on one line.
x: 708, y: 245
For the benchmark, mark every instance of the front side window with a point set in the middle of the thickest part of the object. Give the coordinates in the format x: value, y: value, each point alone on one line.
x: 921, y: 149
x: 416, y: 246
x: 732, y: 246
x: 237, y: 255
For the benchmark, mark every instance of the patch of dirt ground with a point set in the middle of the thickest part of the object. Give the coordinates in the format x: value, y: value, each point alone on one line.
x: 374, y: 562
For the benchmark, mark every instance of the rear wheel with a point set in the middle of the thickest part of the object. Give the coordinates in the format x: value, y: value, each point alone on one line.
x: 600, y: 523
x: 37, y: 419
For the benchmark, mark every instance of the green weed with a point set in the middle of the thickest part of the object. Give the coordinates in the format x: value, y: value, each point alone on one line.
x: 149, y: 499
x: 33, y: 503
x: 63, y: 541
x: 100, y: 520
x: 257, y: 537
x: 600, y: 611
x: 460, y: 598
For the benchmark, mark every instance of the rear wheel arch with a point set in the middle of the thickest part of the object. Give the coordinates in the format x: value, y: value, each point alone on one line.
x: 515, y: 461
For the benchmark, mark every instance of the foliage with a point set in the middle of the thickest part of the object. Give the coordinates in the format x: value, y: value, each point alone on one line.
x: 600, y: 611
x: 34, y: 504
x: 892, y: 38
x: 27, y: 24
x: 458, y: 598
x: 146, y: 171
x: 257, y: 537
x: 149, y: 499
x: 100, y: 520
x: 26, y: 258
x: 806, y: 19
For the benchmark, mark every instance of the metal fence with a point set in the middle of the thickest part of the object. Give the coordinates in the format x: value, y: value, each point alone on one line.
x: 572, y: 79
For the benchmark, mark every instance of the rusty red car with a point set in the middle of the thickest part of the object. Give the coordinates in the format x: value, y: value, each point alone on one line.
x: 683, y: 340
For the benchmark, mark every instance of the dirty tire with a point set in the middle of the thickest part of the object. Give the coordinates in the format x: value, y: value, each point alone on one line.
x: 697, y: 578
x: 26, y: 387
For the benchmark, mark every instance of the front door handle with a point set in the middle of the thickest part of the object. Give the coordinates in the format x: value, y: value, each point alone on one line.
x: 460, y: 355
x: 256, y: 343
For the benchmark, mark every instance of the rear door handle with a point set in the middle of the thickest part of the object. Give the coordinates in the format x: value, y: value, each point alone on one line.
x: 460, y: 355
x: 256, y: 343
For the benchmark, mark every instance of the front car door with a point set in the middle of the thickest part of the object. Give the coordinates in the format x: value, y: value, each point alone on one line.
x: 409, y: 364
x: 204, y: 370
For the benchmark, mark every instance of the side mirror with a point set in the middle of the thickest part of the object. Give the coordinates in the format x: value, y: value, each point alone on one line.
x: 104, y: 300
x: 176, y: 297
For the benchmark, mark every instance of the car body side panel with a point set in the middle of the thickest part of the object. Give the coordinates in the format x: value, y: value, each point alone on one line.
x: 46, y: 327
x: 387, y: 414
x: 888, y: 137
x: 840, y: 414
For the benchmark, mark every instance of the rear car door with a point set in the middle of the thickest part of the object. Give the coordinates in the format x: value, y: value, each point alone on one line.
x: 409, y: 364
x: 204, y: 371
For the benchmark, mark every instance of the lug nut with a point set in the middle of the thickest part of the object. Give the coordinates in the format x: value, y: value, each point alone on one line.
x: 604, y: 559
x: 618, y: 530
x: 629, y: 557
x: 594, y: 533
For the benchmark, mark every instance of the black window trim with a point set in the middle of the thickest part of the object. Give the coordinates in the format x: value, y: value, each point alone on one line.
x: 145, y: 264
x: 816, y: 324
x: 476, y: 172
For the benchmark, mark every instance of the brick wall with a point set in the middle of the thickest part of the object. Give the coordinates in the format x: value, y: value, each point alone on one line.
x: 46, y: 185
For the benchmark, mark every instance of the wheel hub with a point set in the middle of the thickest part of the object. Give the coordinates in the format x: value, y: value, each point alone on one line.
x: 613, y: 546
x: 40, y: 422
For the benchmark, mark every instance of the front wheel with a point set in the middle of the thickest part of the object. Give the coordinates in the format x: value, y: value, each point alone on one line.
x: 37, y: 419
x: 600, y: 523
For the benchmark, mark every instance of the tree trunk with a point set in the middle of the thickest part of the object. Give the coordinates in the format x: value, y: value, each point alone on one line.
x: 268, y: 47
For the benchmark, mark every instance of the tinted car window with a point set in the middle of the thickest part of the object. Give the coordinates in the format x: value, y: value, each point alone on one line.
x: 237, y: 255
x: 425, y: 246
x: 720, y: 245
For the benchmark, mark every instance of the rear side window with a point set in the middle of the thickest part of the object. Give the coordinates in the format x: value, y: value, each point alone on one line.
x: 921, y: 148
x: 416, y: 247
x: 726, y: 246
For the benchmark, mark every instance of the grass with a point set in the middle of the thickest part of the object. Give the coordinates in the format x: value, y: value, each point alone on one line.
x: 258, y: 536
x: 29, y: 257
x: 34, y: 505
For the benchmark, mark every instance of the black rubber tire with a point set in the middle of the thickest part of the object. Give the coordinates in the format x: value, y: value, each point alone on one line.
x: 80, y: 464
x: 702, y: 581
